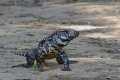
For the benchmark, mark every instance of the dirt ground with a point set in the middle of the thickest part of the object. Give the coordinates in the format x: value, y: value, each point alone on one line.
x: 97, y: 48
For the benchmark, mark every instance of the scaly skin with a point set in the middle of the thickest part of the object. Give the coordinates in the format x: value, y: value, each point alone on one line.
x: 49, y: 48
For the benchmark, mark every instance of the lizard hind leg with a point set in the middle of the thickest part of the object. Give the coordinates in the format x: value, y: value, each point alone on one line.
x: 30, y: 63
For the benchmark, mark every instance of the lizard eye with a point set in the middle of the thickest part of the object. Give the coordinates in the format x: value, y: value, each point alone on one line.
x: 64, y: 35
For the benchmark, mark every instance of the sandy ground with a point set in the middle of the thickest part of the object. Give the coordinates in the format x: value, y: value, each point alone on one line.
x: 97, y: 48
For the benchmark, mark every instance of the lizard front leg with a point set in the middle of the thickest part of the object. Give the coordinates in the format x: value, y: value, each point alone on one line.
x: 39, y: 61
x: 65, y: 60
x: 60, y: 60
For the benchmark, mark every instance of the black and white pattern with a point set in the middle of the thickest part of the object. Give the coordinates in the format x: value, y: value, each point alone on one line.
x: 49, y: 48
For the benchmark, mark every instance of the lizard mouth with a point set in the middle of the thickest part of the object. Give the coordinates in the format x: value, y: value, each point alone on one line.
x: 63, y: 40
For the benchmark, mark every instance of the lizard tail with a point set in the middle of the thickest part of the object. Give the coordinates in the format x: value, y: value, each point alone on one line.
x: 20, y: 53
x: 22, y: 65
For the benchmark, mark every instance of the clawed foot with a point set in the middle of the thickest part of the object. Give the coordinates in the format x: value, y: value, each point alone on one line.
x: 72, y: 62
x: 40, y: 67
x: 66, y: 69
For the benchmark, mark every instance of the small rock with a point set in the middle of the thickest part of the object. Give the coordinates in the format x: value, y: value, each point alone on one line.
x: 112, y: 51
x: 109, y: 78
x: 109, y: 57
x: 1, y: 46
x: 88, y: 22
x: 118, y: 50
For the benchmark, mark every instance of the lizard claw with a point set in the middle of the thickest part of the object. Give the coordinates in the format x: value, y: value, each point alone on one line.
x: 40, y: 67
x: 66, y: 69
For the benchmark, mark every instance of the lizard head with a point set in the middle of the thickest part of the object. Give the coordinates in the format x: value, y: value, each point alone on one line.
x: 67, y: 34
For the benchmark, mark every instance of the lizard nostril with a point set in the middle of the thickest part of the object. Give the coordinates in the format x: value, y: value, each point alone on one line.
x: 76, y: 33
